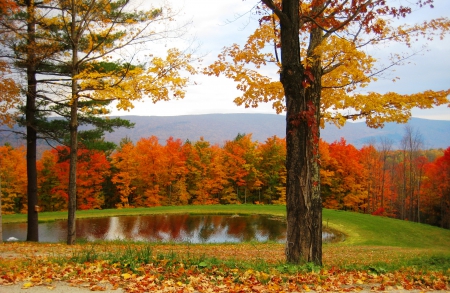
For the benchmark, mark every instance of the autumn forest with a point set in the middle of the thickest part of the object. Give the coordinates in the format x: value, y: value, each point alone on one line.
x: 405, y: 183
x: 77, y: 60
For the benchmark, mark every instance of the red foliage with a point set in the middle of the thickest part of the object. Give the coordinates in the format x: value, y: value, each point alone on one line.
x: 378, y: 212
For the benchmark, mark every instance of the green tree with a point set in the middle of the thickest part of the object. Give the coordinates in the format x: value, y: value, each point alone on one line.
x: 85, y: 72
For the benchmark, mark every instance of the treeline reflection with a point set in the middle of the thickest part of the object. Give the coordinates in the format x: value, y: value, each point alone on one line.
x: 166, y: 228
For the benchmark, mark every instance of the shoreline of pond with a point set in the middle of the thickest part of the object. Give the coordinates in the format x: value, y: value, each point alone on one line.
x: 207, y: 228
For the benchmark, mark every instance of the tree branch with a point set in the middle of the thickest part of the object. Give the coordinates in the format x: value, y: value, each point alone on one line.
x: 284, y: 19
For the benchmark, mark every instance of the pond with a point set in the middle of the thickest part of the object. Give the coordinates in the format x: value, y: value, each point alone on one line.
x: 166, y: 228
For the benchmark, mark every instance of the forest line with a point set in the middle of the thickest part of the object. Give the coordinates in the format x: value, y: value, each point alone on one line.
x: 407, y: 183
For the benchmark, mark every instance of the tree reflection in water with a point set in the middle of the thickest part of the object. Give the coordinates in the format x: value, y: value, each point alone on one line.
x: 164, y: 228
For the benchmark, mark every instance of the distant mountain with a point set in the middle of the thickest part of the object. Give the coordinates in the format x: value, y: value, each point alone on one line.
x: 215, y: 128
x: 218, y: 128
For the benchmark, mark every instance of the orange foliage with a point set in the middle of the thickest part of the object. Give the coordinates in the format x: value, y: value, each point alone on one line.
x: 13, y: 180
x: 244, y: 171
x: 347, y: 185
x: 206, y: 177
x: 49, y: 198
x: 91, y: 172
x: 7, y: 6
x: 437, y: 190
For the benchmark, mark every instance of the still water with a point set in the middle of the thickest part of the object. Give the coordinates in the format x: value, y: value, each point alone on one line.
x: 165, y: 228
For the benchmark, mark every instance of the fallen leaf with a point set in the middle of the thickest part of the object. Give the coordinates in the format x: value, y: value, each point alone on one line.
x: 27, y: 285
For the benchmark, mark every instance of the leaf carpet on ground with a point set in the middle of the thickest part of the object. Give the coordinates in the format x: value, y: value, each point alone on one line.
x: 207, y: 268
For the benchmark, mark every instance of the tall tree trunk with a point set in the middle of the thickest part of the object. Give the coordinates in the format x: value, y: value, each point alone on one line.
x: 73, y: 128
x: 30, y: 110
x: 72, y: 206
x: 303, y: 202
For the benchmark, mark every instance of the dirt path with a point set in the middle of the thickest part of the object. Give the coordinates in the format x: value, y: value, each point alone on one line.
x: 57, y: 287
x: 62, y: 287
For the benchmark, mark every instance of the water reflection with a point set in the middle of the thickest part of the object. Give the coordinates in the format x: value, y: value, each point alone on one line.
x: 164, y: 228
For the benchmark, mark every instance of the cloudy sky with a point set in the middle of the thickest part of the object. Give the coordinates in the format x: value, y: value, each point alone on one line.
x: 216, y: 24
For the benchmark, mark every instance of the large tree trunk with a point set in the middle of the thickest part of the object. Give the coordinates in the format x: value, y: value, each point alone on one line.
x: 302, y: 93
x: 32, y: 228
x: 73, y: 127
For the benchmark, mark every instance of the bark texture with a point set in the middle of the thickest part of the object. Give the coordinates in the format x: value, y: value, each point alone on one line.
x: 302, y: 93
x: 30, y: 111
x: 73, y: 128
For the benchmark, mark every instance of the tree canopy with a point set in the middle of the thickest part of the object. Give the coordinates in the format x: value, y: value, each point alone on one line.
x: 319, y: 48
x: 348, y: 66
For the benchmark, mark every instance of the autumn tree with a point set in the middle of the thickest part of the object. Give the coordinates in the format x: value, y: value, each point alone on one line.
x: 26, y: 52
x: 92, y: 171
x: 322, y: 64
x: 174, y: 176
x: 13, y: 183
x: 10, y: 97
x: 272, y: 169
x: 384, y: 149
x: 125, y: 163
x: 369, y: 158
x: 241, y: 160
x: 8, y: 86
x: 206, y: 178
x: 48, y: 180
x: 437, y: 191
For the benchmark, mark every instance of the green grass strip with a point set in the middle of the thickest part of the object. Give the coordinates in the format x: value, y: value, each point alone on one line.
x: 360, y: 229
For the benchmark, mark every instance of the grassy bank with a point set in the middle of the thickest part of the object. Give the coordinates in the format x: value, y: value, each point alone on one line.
x: 276, y: 210
x: 360, y: 229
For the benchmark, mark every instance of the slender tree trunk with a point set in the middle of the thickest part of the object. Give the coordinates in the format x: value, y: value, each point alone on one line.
x: 30, y: 111
x: 386, y: 145
x: 72, y: 206
x: 403, y: 194
x: 303, y: 202
x: 73, y: 127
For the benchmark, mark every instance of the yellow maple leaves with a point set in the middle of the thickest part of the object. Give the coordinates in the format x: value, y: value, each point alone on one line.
x: 161, y: 79
x: 9, y: 99
x: 346, y: 67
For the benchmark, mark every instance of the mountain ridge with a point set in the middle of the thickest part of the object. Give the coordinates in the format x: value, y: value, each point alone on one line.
x: 218, y: 128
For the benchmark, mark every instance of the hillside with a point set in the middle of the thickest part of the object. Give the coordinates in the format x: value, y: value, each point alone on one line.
x: 218, y: 128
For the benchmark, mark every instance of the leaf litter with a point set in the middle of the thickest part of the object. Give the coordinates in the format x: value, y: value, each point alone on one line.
x: 211, y: 268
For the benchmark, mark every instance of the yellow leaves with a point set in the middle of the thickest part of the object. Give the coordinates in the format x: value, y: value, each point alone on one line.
x: 381, y: 108
x: 9, y: 98
x: 161, y: 275
x: 346, y: 65
x: 27, y: 285
x: 127, y: 276
x: 256, y: 87
x: 162, y: 79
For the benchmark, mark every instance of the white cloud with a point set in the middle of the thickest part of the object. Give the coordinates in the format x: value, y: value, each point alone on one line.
x: 216, y: 24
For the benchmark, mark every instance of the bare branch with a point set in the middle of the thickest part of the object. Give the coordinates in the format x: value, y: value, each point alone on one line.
x: 284, y: 19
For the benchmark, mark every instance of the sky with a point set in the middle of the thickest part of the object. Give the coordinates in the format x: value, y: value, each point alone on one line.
x: 223, y: 23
